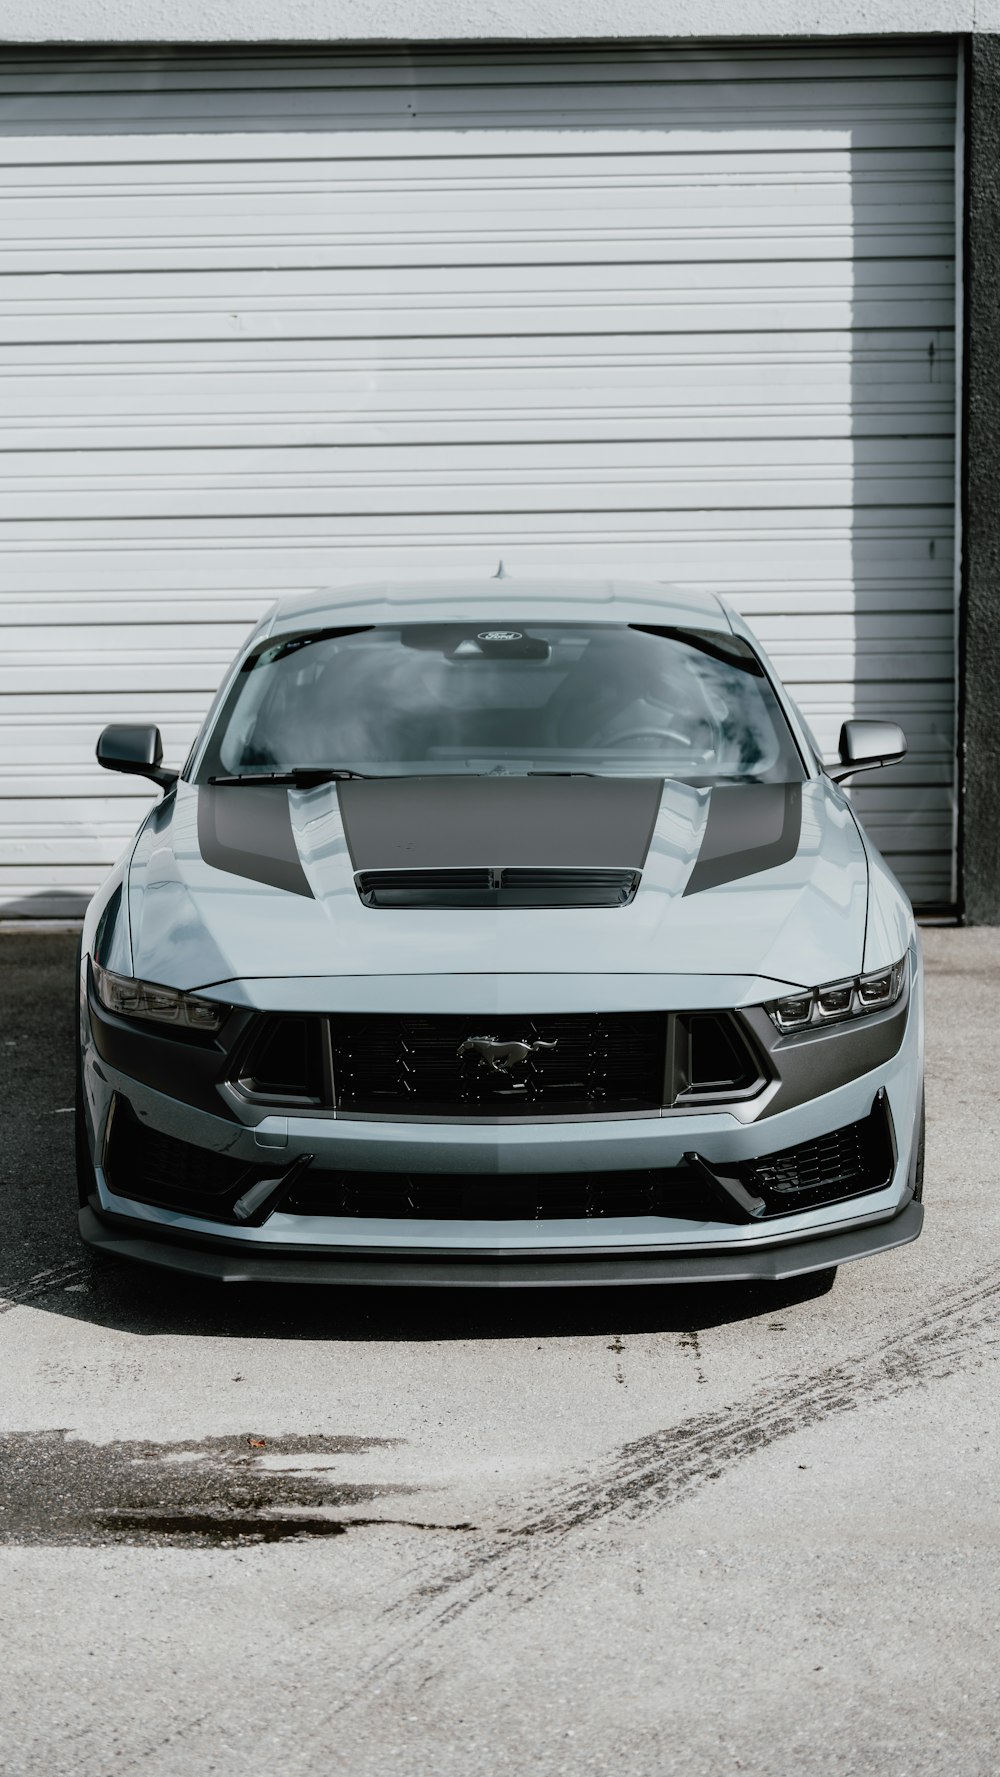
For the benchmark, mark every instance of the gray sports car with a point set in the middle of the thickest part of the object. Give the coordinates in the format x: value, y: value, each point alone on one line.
x: 505, y: 933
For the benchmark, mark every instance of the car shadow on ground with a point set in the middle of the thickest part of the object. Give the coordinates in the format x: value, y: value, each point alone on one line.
x: 147, y: 1302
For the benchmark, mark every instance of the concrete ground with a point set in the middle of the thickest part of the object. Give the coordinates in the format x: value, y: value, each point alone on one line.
x: 634, y: 1532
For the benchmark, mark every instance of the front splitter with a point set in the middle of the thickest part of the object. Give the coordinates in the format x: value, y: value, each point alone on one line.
x: 229, y: 1261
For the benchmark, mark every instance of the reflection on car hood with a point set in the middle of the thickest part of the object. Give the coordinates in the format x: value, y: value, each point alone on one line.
x: 737, y: 880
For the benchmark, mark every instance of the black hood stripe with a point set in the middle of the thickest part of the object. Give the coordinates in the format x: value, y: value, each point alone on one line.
x: 750, y: 827
x: 247, y: 830
x: 454, y: 823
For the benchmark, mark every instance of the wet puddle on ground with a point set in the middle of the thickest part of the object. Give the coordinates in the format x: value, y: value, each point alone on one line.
x: 59, y: 1489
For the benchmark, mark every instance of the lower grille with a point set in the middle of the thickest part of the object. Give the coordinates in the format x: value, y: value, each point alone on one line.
x: 473, y: 1197
x: 149, y: 1167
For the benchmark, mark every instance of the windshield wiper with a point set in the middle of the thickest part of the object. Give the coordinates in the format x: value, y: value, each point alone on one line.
x: 299, y: 776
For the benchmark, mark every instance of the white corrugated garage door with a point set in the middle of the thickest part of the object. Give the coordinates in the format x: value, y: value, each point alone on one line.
x: 275, y: 320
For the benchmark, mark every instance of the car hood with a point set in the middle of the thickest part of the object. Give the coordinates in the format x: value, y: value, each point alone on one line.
x: 240, y: 884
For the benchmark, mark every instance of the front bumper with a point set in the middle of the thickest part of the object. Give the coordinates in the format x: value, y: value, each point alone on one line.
x: 231, y: 1261
x: 606, y: 1249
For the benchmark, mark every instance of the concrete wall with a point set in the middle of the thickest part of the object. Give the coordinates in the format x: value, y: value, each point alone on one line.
x: 417, y: 21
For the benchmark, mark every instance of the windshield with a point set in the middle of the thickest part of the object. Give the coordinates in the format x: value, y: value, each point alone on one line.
x: 503, y: 698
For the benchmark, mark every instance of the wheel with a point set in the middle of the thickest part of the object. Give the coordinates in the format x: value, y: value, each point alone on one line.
x: 918, y: 1187
x: 775, y: 1293
x: 808, y: 1286
x: 86, y: 1178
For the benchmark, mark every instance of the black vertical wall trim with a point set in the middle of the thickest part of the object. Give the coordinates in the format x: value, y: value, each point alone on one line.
x: 962, y: 447
x: 979, y: 613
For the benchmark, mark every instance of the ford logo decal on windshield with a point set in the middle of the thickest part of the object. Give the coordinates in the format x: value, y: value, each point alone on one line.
x: 499, y: 635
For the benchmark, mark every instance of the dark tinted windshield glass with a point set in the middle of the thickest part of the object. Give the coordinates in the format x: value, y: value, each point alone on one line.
x: 496, y: 698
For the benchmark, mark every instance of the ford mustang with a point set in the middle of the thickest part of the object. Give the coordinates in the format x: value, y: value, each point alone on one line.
x: 501, y: 932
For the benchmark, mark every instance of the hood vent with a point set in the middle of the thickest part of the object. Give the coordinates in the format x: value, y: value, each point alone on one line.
x: 516, y: 886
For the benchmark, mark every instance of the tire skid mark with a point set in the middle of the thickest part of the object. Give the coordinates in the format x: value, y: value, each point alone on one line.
x: 645, y: 1477
x: 40, y: 1284
x: 664, y: 1468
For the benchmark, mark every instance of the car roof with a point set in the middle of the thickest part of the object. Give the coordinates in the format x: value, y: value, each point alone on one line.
x: 502, y: 600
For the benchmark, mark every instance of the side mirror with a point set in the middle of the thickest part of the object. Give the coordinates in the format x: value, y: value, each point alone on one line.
x: 136, y: 749
x: 864, y: 746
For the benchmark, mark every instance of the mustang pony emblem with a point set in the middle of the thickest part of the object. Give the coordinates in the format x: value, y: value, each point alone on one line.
x: 500, y: 1057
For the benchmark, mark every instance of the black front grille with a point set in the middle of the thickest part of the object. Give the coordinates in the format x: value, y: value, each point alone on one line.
x: 571, y: 1064
x: 574, y: 1064
x: 860, y: 1157
x: 513, y: 886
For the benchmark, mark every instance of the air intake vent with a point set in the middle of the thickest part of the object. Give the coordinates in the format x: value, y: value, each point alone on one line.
x: 846, y: 1163
x: 144, y: 1164
x: 713, y: 1060
x: 284, y: 1061
x: 515, y: 886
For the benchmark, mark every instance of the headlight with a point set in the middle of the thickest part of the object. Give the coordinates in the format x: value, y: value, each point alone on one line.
x: 163, y: 1005
x: 839, y: 1000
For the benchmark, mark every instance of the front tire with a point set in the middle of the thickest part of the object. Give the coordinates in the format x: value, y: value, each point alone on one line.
x: 86, y: 1178
x: 918, y: 1183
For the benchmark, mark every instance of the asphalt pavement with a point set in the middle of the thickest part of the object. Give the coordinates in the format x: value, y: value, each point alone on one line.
x: 628, y: 1531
